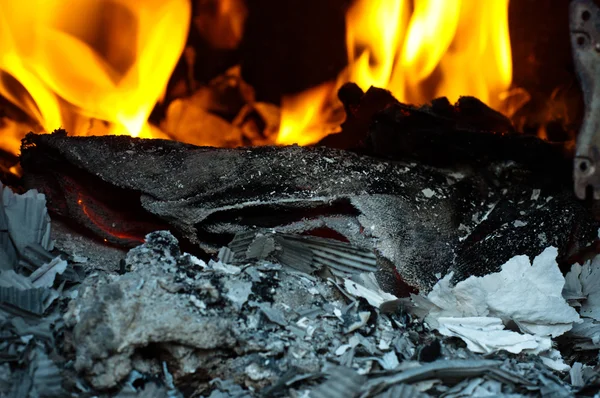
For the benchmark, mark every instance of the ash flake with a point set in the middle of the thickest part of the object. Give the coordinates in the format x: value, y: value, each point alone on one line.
x: 428, y: 193
x: 303, y: 322
x: 389, y: 361
x: 467, y: 230
x: 338, y: 313
x: 457, y: 175
x: 197, y: 302
x: 384, y: 344
x: 256, y: 372
x: 341, y: 350
x: 313, y: 290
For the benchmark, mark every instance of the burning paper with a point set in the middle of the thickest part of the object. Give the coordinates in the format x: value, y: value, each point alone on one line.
x: 478, y: 308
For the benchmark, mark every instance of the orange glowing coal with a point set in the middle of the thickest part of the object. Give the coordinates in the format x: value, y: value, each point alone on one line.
x: 100, y: 66
x: 419, y: 50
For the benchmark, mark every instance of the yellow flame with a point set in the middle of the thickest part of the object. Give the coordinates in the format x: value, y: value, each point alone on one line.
x: 419, y: 50
x: 90, y: 59
x: 430, y: 32
x: 73, y: 63
x: 300, y: 110
x: 364, y: 28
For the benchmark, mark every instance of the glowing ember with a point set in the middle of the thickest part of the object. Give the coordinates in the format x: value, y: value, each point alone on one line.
x: 71, y: 62
x: 441, y: 48
x: 98, y: 221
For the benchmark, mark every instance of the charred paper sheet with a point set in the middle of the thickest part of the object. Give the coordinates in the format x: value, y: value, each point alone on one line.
x: 416, y: 217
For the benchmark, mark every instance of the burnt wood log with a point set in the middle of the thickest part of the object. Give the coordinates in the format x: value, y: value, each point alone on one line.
x: 424, y: 221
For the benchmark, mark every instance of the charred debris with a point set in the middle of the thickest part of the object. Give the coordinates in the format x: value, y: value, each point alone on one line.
x: 427, y: 251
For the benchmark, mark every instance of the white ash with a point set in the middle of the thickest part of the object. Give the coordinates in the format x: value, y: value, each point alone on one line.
x: 116, y: 314
x: 242, y: 316
x: 266, y: 330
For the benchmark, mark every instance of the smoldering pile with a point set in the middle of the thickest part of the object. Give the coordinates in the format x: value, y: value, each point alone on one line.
x: 274, y: 315
x: 310, y: 259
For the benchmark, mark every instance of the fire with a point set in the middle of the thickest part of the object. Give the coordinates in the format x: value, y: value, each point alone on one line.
x: 100, y: 66
x: 66, y: 64
x: 418, y: 50
x: 302, y: 110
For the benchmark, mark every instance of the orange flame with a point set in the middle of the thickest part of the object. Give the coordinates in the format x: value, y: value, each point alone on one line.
x: 317, y: 103
x: 439, y: 48
x: 71, y: 62
x: 100, y: 66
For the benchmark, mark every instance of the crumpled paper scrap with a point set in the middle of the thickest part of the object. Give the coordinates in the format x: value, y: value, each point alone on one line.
x: 583, y: 287
x: 582, y: 290
x: 366, y: 286
x: 487, y: 334
x: 524, y: 294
